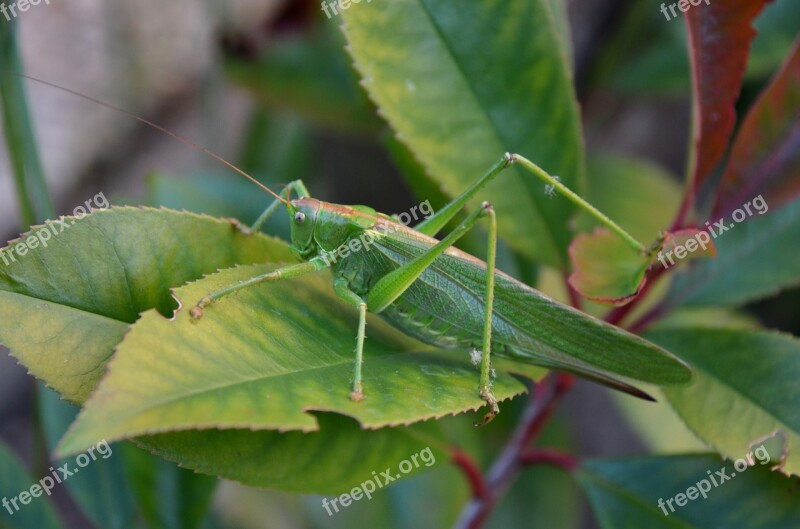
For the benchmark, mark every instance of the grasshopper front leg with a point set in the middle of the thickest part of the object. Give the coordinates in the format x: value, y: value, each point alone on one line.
x: 286, y: 272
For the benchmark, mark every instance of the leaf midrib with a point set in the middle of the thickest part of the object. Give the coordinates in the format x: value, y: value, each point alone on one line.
x: 499, y: 138
x: 261, y: 378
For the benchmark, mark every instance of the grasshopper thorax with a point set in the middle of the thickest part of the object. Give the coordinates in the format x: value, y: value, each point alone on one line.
x: 319, y: 227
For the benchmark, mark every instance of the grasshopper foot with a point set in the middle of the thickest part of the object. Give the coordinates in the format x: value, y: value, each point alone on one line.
x: 243, y: 228
x: 197, y: 312
x: 357, y: 395
x: 494, y: 409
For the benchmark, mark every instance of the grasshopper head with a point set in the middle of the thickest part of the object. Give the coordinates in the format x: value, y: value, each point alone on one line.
x: 304, y: 213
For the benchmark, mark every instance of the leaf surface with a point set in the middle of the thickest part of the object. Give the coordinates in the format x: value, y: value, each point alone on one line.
x: 263, y: 359
x: 14, y: 479
x: 460, y: 88
x: 756, y: 258
x: 720, y: 34
x: 625, y: 494
x: 745, y: 389
x: 765, y: 158
x: 64, y: 306
x: 48, y: 321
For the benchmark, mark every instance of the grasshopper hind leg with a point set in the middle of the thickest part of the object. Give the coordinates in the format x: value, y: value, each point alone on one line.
x: 486, y: 351
x: 391, y: 286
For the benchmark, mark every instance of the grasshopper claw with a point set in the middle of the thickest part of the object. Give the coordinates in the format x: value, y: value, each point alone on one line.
x: 243, y: 228
x: 488, y: 396
x: 197, y: 311
x: 357, y: 395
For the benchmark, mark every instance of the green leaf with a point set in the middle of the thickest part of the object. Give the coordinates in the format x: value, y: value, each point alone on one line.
x: 309, y: 75
x: 262, y: 360
x: 462, y: 83
x: 100, y: 489
x: 559, y: 12
x: 659, y: 65
x: 755, y: 259
x: 33, y: 196
x: 712, y: 317
x: 63, y: 307
x: 745, y: 388
x: 624, y: 494
x: 109, y: 490
x: 169, y: 497
x: 15, y: 479
x: 777, y: 33
x: 437, y: 495
x: 642, y: 198
x: 607, y: 270
x: 657, y: 425
x: 70, y: 356
x: 332, y: 460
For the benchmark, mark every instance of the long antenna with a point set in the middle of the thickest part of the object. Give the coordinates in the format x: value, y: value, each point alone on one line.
x: 159, y: 128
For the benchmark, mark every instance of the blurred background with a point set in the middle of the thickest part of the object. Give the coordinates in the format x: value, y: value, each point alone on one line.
x: 268, y: 85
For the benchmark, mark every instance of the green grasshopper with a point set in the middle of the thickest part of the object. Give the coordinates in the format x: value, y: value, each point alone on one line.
x: 429, y: 289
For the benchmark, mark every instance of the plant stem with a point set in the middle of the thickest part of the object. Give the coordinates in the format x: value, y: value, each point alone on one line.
x: 580, y: 202
x: 656, y: 313
x: 562, y: 460
x: 543, y: 401
x: 32, y: 194
x: 478, y: 485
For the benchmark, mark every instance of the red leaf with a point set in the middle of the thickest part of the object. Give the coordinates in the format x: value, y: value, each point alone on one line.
x: 720, y: 34
x: 765, y: 159
x: 686, y: 244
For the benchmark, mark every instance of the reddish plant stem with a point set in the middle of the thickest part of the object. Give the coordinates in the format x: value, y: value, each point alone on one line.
x: 555, y: 458
x: 476, y: 482
x: 649, y: 317
x: 543, y: 400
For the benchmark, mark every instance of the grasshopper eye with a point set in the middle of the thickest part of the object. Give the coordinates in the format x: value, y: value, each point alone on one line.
x: 299, y: 217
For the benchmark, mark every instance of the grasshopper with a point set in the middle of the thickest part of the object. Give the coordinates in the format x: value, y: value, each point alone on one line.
x: 444, y: 297
x: 441, y: 295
